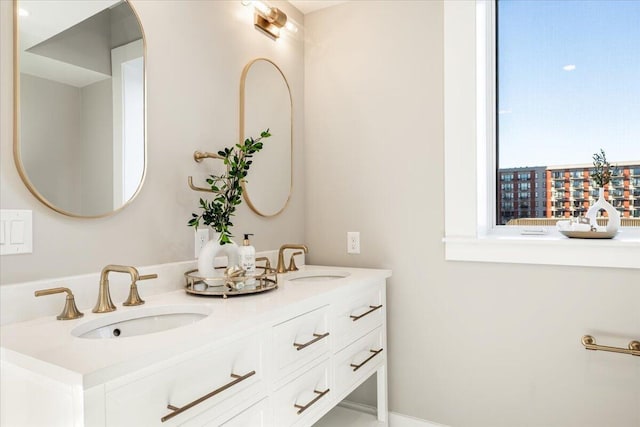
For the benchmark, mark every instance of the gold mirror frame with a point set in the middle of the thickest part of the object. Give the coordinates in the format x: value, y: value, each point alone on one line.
x: 16, y: 120
x: 245, y: 193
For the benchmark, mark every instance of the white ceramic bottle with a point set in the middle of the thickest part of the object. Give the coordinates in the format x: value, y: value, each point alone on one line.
x: 247, y: 259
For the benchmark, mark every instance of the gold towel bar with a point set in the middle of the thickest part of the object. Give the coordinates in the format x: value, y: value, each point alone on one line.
x: 589, y: 343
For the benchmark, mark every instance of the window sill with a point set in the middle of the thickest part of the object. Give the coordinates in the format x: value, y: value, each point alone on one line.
x: 619, y: 252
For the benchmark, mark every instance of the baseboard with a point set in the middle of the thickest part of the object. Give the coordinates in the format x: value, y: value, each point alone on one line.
x: 395, y: 419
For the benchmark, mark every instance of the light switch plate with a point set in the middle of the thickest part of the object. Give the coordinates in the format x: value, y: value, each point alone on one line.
x: 17, y: 236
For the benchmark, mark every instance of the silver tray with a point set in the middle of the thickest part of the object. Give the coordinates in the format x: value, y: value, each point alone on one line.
x: 224, y: 286
x: 589, y: 234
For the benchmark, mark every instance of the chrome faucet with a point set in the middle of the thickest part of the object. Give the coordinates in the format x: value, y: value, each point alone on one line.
x: 104, y: 304
x: 281, y: 268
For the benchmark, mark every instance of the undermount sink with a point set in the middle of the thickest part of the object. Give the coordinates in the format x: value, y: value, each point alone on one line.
x: 143, y: 321
x: 317, y: 275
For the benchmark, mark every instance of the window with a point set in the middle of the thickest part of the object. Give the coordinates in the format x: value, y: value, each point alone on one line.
x: 567, y: 85
x: 470, y: 162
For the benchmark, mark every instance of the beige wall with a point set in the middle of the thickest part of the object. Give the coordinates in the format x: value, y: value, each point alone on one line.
x: 470, y: 344
x: 195, y: 53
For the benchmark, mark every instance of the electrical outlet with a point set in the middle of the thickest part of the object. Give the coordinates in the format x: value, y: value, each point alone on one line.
x: 201, y: 239
x: 353, y: 242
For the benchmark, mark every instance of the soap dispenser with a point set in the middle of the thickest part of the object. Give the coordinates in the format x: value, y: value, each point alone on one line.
x: 247, y: 255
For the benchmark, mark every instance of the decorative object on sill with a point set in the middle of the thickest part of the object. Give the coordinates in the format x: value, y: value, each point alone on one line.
x: 601, y: 177
x: 270, y: 20
x: 587, y: 227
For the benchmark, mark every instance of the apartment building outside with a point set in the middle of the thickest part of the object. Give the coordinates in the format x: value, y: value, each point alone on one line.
x: 522, y: 193
x: 570, y: 191
x: 563, y: 191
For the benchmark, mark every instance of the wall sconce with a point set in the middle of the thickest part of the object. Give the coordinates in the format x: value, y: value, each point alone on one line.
x: 270, y: 20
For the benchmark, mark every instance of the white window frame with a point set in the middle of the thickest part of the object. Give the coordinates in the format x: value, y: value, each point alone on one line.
x: 469, y: 123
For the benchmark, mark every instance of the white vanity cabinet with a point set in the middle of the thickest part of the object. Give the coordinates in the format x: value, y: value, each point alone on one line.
x: 230, y: 374
x: 279, y: 359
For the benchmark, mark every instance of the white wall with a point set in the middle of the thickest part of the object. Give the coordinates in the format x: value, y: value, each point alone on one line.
x: 196, y: 51
x: 470, y: 344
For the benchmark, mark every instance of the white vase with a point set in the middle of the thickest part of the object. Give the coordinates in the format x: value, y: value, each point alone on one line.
x: 612, y: 213
x: 210, y: 251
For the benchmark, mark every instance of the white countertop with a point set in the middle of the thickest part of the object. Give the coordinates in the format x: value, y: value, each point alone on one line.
x: 46, y: 346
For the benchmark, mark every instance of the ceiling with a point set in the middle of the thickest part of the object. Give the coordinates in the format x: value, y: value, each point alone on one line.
x: 308, y: 6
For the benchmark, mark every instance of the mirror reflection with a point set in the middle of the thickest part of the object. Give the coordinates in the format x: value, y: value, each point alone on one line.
x: 80, y: 141
x: 265, y: 102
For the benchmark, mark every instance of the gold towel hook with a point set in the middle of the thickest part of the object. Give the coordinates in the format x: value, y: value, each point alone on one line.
x: 198, y: 156
x: 193, y: 187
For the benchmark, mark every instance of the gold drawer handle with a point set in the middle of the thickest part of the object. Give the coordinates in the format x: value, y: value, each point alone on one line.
x: 317, y: 338
x: 176, y: 410
x: 372, y: 307
x: 375, y: 353
x: 320, y: 395
x: 589, y: 343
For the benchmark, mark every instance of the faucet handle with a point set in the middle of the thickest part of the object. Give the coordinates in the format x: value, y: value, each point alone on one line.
x: 134, y: 296
x: 70, y: 310
x: 292, y: 262
x: 267, y: 263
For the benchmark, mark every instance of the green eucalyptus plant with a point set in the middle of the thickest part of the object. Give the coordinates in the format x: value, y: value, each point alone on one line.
x: 603, y: 171
x: 217, y: 213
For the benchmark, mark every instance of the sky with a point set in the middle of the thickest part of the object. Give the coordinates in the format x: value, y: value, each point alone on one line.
x: 569, y: 81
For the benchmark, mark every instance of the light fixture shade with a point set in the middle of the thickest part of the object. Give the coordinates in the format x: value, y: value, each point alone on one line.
x: 270, y: 20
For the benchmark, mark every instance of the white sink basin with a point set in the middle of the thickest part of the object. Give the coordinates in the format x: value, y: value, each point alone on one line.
x: 316, y: 275
x: 147, y: 320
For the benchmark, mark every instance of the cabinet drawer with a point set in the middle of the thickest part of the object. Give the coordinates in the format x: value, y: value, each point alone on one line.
x: 301, y: 340
x: 202, y: 383
x: 357, y: 316
x: 255, y: 416
x: 306, y: 397
x: 355, y: 363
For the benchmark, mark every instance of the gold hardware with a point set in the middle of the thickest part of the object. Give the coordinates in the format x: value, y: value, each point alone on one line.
x: 267, y: 263
x: 317, y: 338
x: 70, y: 311
x: 134, y: 297
x: 104, y: 304
x: 320, y: 395
x: 280, y: 268
x: 375, y: 353
x: 176, y: 410
x: 292, y: 261
x: 198, y: 156
x: 195, y: 188
x: 589, y: 343
x: 372, y: 307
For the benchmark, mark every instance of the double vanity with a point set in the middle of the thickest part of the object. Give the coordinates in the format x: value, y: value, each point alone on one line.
x: 280, y: 358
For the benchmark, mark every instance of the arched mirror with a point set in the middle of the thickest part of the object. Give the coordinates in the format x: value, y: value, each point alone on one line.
x: 265, y: 102
x: 80, y: 122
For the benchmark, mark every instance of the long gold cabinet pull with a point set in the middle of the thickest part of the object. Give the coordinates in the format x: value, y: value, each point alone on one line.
x: 176, y: 410
x: 364, y: 362
x: 372, y: 307
x: 320, y: 395
x: 317, y: 337
x: 589, y: 343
